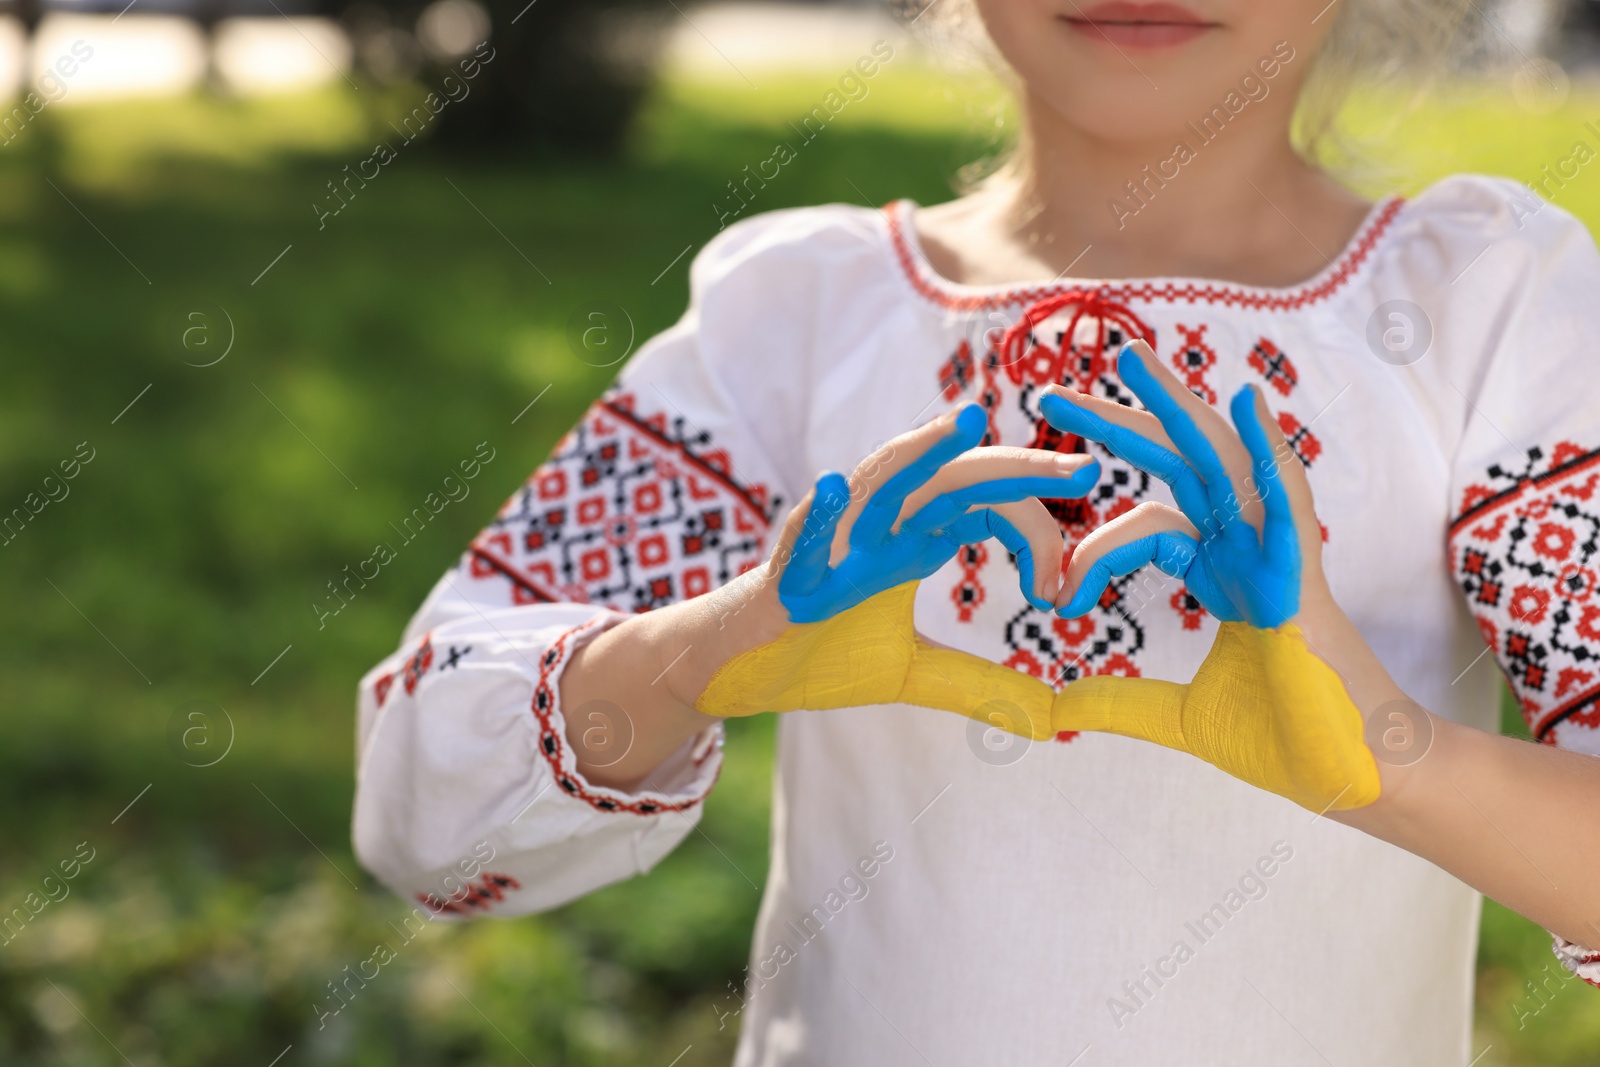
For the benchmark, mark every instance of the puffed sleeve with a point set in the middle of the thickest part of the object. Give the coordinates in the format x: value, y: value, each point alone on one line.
x: 468, y: 798
x: 1524, y: 539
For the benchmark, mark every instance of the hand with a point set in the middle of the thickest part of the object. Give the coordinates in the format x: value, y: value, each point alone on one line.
x: 849, y: 558
x: 1237, y: 550
x: 1263, y: 706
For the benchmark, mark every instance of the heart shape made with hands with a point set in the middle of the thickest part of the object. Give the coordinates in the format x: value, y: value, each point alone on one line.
x: 1263, y: 706
x: 852, y: 637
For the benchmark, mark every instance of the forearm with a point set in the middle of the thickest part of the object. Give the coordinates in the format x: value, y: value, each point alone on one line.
x: 1518, y: 821
x: 628, y: 695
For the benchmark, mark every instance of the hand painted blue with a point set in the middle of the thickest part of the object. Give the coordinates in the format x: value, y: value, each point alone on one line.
x: 1236, y: 575
x: 879, y: 559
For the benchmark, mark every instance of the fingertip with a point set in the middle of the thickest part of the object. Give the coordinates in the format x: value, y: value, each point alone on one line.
x: 1052, y: 406
x: 831, y: 485
x: 1072, y: 609
x: 1131, y: 365
x: 1028, y: 580
x: 830, y: 496
x: 1132, y: 350
x: 1255, y: 424
x: 1243, y: 404
x: 1062, y: 413
x: 972, y: 420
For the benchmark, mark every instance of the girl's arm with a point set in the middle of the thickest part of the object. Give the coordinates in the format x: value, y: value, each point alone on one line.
x: 1518, y: 821
x: 826, y: 621
x: 467, y: 765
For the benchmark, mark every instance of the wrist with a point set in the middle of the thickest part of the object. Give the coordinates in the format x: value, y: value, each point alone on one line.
x: 1329, y: 633
x: 620, y: 722
x: 692, y: 641
x: 1415, y: 751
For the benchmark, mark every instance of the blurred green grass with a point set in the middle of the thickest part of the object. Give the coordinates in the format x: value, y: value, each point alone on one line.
x: 188, y: 553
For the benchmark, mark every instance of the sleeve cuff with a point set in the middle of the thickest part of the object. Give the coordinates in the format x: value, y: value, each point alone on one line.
x: 1581, y: 961
x: 684, y: 778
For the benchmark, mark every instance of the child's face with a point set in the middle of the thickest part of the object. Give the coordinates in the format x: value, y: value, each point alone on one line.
x: 1141, y: 71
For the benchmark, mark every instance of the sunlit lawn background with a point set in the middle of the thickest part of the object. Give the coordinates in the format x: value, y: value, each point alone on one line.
x: 218, y: 907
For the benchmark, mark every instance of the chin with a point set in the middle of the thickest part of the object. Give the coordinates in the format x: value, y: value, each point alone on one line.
x: 1123, y: 70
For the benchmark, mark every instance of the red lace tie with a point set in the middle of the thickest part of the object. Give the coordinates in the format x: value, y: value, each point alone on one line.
x: 1026, y: 358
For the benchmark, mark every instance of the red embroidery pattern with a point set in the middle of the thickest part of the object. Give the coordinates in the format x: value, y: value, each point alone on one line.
x: 1301, y: 439
x: 1269, y: 362
x: 1581, y: 961
x: 945, y: 295
x: 969, y: 594
x: 631, y: 511
x: 474, y: 896
x: 417, y: 665
x: 1188, y: 608
x: 411, y: 672
x: 957, y: 372
x: 1193, y: 360
x: 552, y: 745
x: 1525, y: 550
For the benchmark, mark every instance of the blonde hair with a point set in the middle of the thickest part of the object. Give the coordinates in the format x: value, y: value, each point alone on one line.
x: 1399, y: 47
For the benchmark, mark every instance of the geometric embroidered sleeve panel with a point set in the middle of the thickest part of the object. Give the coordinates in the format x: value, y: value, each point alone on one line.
x: 633, y: 510
x: 1525, y: 549
x: 463, y: 737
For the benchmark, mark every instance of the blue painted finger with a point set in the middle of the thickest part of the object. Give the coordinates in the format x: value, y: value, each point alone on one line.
x: 1187, y: 489
x: 808, y: 563
x: 1280, y: 540
x: 1189, y: 438
x: 977, y: 526
x: 1170, y: 551
x: 1279, y: 580
x: 883, y: 507
x: 946, y: 508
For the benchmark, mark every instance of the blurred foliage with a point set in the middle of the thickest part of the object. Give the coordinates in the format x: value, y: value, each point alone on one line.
x: 375, y: 352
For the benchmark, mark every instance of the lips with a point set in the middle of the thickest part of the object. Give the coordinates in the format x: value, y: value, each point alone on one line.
x: 1131, y: 25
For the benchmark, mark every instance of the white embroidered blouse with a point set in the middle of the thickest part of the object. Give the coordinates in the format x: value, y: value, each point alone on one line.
x: 1029, y: 902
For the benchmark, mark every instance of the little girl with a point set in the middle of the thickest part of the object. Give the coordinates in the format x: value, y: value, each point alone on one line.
x: 942, y: 892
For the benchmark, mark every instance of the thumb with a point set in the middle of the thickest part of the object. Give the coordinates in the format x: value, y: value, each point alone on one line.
x: 1145, y: 708
x: 980, y: 689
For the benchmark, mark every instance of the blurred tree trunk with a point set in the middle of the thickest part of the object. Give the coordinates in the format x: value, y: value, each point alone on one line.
x: 554, y: 82
x: 30, y: 12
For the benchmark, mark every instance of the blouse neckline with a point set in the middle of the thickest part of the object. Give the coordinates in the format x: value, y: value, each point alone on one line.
x: 899, y: 216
